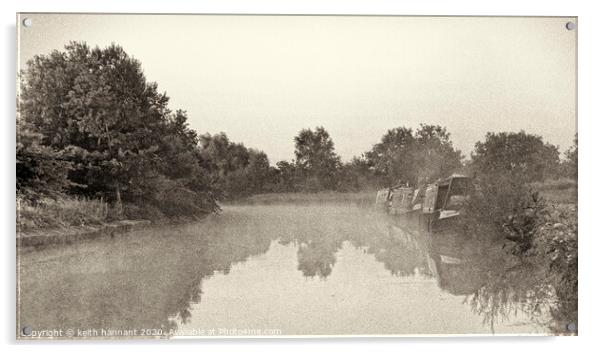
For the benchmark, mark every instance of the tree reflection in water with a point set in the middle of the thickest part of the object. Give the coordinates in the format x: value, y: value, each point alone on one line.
x: 152, y: 279
x: 143, y: 281
x: 496, y: 283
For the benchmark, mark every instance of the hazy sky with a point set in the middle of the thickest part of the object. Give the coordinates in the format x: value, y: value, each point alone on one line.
x: 261, y: 79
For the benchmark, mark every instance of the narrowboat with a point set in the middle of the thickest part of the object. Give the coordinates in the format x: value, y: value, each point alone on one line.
x: 444, y: 201
x: 429, y: 208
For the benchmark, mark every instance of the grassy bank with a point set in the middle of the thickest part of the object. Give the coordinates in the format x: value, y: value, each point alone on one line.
x: 65, y: 212
x: 360, y: 198
x: 62, y: 212
x: 560, y: 191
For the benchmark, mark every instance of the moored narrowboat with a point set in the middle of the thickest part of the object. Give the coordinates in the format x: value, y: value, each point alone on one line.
x: 444, y: 201
x: 430, y: 208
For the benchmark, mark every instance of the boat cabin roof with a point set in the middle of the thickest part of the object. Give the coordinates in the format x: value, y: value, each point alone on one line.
x: 448, y: 180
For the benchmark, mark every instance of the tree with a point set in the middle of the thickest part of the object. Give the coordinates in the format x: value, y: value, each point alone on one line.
x: 233, y: 168
x: 404, y: 156
x: 392, y: 157
x: 258, y: 171
x: 316, y: 159
x: 41, y: 170
x: 286, y: 176
x: 126, y: 144
x: 433, y: 154
x: 356, y: 175
x: 521, y: 155
x: 98, y: 100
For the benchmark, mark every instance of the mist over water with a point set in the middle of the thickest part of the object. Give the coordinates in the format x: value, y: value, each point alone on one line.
x: 311, y: 269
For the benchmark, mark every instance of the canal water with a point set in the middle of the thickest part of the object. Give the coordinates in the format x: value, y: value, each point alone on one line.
x: 315, y: 269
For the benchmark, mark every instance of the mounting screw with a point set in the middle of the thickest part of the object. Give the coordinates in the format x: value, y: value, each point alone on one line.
x: 27, y: 331
x: 570, y: 26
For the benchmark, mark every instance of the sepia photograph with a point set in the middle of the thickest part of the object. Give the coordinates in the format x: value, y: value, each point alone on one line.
x: 236, y: 176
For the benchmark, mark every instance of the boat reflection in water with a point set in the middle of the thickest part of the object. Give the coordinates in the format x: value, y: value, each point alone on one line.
x: 495, y: 284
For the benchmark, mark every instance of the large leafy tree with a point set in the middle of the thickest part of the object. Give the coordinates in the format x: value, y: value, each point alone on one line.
x: 316, y: 159
x: 434, y: 155
x: 392, y: 156
x: 234, y: 169
x: 124, y: 142
x: 414, y: 157
x: 99, y: 101
x: 523, y: 156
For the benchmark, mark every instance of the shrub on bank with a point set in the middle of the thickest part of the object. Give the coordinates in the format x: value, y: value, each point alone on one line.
x: 536, y: 234
x: 505, y: 209
x: 555, y: 245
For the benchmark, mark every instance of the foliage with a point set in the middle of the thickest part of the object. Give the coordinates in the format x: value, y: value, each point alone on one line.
x: 557, y: 246
x: 316, y: 160
x: 392, y: 157
x: 356, y: 175
x: 404, y: 156
x: 434, y: 155
x: 41, y: 170
x: 235, y: 170
x: 502, y: 208
x: 124, y: 142
x: 525, y: 156
x: 285, y: 177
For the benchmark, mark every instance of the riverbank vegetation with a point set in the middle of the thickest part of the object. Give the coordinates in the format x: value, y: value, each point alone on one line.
x: 97, y: 142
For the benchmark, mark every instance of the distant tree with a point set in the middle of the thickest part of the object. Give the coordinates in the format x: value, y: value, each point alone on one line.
x: 316, y: 159
x: 258, y: 171
x: 286, y: 176
x: 433, y: 154
x: 404, y: 156
x: 356, y: 175
x: 392, y: 157
x: 235, y: 169
x: 525, y: 157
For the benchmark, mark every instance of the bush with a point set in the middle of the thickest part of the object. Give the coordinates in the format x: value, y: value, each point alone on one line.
x: 504, y: 209
x: 556, y: 245
x: 541, y: 240
x: 148, y: 212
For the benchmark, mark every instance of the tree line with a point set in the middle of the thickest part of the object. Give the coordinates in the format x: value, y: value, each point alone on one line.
x: 91, y: 125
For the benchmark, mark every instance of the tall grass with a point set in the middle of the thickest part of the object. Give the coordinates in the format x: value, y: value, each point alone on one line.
x: 63, y: 212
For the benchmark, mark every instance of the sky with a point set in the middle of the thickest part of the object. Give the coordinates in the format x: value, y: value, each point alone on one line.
x: 261, y: 79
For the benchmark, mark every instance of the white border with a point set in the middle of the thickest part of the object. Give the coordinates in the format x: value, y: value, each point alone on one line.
x: 590, y: 80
